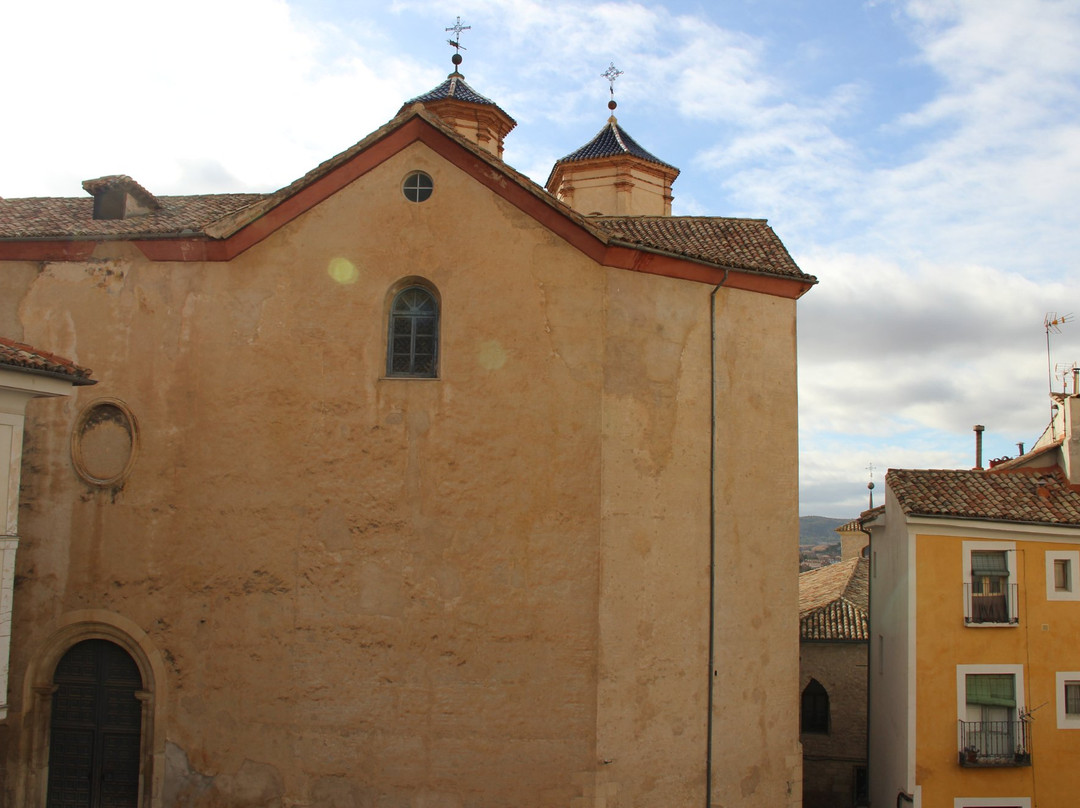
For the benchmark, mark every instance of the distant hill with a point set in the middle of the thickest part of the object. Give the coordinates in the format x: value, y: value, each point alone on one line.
x: 819, y: 529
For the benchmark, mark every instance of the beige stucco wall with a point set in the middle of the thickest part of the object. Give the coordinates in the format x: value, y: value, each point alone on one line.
x: 626, y: 187
x: 486, y: 589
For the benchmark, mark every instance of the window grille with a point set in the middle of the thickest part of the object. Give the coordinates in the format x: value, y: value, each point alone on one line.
x: 413, y: 348
x: 1072, y: 698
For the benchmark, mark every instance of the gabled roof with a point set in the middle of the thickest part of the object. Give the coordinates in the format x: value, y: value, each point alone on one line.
x: 834, y: 602
x: 613, y: 141
x: 1032, y: 496
x: 18, y: 356
x: 218, y: 227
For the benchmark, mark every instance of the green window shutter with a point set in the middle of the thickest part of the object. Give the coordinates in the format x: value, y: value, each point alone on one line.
x: 989, y: 562
x: 993, y: 689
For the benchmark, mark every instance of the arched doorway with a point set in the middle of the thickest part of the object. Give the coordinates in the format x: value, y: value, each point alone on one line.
x: 95, y: 728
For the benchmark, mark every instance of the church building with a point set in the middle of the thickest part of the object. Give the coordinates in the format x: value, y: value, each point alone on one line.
x: 413, y: 484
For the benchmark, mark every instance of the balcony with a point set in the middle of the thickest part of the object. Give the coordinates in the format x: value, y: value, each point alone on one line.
x: 991, y: 609
x: 994, y: 744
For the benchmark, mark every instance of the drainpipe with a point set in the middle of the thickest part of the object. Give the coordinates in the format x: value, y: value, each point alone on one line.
x: 978, y: 445
x: 712, y: 540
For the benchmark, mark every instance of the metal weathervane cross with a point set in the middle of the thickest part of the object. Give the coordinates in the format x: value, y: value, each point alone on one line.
x: 457, y: 28
x: 610, y: 74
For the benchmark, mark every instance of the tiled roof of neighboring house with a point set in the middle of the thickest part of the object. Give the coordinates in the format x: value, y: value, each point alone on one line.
x: 613, y: 141
x: 834, y: 602
x: 1037, y: 496
x: 62, y: 217
x: 849, y: 527
x: 23, y: 357
x: 871, y: 514
x: 748, y: 244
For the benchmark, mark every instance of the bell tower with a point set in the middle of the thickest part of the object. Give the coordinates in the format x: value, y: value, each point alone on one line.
x: 612, y: 175
x: 470, y: 114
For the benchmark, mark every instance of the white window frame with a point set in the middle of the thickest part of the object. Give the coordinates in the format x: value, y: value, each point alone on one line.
x: 1071, y: 556
x: 1064, y: 720
x: 991, y: 802
x: 1009, y: 548
x: 963, y: 671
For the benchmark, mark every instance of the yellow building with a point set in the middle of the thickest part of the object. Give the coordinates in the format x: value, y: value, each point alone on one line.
x: 975, y: 611
x: 413, y: 484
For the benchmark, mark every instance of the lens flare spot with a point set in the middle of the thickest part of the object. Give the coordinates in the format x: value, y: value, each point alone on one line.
x: 343, y: 270
x: 492, y: 355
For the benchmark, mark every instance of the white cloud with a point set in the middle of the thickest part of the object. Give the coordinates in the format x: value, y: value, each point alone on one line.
x: 156, y: 90
x: 933, y: 189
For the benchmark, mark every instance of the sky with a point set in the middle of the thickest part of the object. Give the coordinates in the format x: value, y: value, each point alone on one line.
x: 920, y: 157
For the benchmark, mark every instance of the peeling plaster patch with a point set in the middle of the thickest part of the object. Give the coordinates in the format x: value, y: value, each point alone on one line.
x: 435, y: 799
x: 332, y: 529
x: 247, y: 309
x: 255, y: 785
x: 187, y: 314
x: 337, y: 792
x: 749, y: 784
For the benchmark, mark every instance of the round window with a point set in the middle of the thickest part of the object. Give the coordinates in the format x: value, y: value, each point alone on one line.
x: 104, y: 442
x: 417, y: 187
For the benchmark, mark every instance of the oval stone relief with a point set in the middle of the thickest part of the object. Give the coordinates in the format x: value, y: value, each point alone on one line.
x: 103, y: 442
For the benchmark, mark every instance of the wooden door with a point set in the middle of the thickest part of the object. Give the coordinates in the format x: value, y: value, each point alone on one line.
x: 94, y: 745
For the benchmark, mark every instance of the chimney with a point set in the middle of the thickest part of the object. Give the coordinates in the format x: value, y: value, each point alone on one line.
x: 979, y: 428
x: 119, y: 197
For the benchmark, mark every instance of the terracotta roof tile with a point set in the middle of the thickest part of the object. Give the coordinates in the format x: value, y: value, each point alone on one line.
x: 24, y: 357
x: 1038, y: 496
x: 612, y: 141
x: 454, y: 87
x: 748, y: 244
x: 834, y: 602
x: 65, y: 218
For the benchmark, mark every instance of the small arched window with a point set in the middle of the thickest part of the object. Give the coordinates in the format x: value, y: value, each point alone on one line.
x: 413, y: 343
x: 815, y: 708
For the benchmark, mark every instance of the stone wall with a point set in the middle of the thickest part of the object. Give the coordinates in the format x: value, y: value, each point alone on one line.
x: 830, y: 760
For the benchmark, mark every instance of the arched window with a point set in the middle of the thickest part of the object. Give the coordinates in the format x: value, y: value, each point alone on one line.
x: 95, y: 729
x: 815, y: 708
x: 413, y: 343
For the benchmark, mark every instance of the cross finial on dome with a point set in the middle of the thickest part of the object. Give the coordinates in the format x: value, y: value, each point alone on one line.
x: 611, y: 74
x: 455, y: 43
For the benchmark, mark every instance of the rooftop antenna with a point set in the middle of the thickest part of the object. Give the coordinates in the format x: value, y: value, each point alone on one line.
x: 1053, y: 322
x: 870, y: 485
x: 611, y: 74
x: 455, y: 43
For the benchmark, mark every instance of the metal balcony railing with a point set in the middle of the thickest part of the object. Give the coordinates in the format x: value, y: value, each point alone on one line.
x: 998, y: 609
x: 994, y: 743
